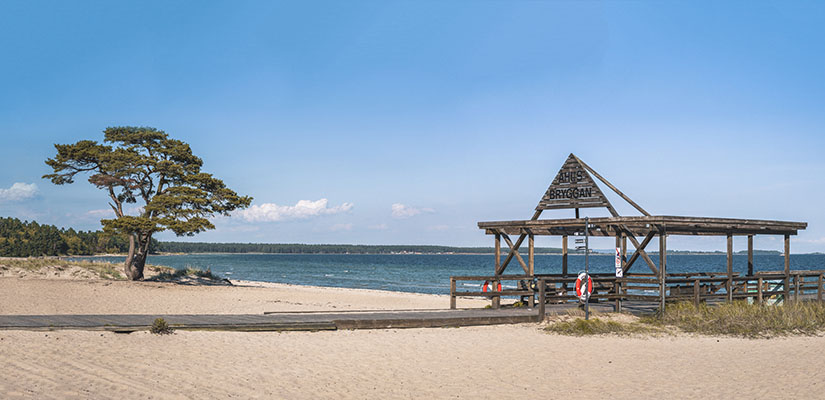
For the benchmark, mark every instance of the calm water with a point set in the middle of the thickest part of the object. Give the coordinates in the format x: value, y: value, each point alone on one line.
x: 428, y: 273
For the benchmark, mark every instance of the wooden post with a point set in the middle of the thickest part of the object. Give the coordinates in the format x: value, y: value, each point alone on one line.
x: 531, y: 265
x: 496, y: 299
x: 759, y: 292
x: 796, y: 284
x: 498, y: 252
x: 617, y: 286
x: 696, y: 292
x: 564, y: 260
x: 787, y: 266
x: 542, y: 299
x: 452, y: 293
x: 819, y: 288
x: 662, y: 268
x: 750, y: 255
x: 730, y: 267
x: 729, y: 289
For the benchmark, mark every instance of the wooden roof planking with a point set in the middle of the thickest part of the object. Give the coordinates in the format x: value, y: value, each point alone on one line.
x: 673, y: 225
x: 574, y: 187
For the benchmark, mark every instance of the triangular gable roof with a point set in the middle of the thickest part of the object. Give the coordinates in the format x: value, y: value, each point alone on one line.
x: 573, y: 187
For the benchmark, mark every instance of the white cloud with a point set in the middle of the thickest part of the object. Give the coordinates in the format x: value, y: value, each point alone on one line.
x: 18, y: 191
x: 403, y: 211
x: 270, y: 212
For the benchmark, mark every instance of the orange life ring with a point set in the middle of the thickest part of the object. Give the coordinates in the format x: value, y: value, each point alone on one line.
x: 589, y: 285
x: 487, y: 284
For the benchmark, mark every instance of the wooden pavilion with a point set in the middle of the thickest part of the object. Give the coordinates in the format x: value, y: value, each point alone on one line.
x: 575, y: 188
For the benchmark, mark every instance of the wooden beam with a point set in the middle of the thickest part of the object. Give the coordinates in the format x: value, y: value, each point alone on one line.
x: 787, y: 255
x: 531, y: 262
x: 640, y: 250
x: 498, y: 253
x: 617, y: 286
x: 564, y: 255
x: 662, y: 267
x: 514, y: 251
x: 615, y: 189
x: 730, y: 267
x: 500, y: 270
x: 750, y: 255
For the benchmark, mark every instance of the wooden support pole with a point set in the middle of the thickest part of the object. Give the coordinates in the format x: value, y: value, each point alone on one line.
x: 796, y: 284
x: 531, y: 262
x: 498, y: 253
x: 730, y: 267
x: 496, y: 299
x: 787, y: 254
x: 750, y: 255
x: 662, y: 267
x: 696, y: 292
x: 624, y: 267
x: 617, y: 286
x: 542, y: 299
x: 787, y: 266
x: 819, y: 287
x: 759, y: 292
x: 564, y: 257
x: 452, y: 293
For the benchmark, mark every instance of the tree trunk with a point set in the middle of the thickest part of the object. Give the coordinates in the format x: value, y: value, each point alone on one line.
x: 136, y: 259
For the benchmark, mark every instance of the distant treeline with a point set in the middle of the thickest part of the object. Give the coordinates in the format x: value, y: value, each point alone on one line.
x: 285, y: 248
x: 30, y: 239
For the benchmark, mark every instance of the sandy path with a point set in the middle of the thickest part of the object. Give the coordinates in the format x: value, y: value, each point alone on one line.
x: 478, y: 362
x: 58, y: 296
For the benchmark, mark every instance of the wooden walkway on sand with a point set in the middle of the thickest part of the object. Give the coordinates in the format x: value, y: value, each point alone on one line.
x: 288, y: 321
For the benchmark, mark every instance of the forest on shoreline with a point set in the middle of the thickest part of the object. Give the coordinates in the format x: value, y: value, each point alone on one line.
x: 30, y: 239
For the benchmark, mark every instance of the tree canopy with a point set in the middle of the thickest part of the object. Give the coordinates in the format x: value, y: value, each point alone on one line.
x: 142, y: 164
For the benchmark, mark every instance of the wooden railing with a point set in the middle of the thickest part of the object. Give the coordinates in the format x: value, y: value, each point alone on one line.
x: 763, y: 287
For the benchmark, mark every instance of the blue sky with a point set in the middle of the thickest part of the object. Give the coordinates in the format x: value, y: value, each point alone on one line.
x: 400, y: 122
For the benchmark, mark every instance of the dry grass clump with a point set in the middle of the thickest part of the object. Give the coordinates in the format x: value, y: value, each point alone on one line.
x: 727, y: 319
x: 597, y: 326
x: 746, y: 320
x: 103, y: 270
x: 172, y: 274
x: 161, y: 327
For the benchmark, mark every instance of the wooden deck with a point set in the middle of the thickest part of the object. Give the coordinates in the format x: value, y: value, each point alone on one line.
x: 290, y: 321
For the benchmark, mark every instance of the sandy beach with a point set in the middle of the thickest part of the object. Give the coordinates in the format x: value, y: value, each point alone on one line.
x: 507, y: 361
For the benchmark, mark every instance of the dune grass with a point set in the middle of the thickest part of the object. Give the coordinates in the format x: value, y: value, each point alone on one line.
x: 104, y: 270
x: 746, y: 320
x: 171, y: 274
x: 738, y: 319
x: 598, y: 326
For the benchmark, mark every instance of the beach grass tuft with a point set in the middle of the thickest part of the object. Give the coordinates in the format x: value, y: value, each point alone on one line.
x: 172, y: 274
x: 104, y: 270
x: 161, y: 327
x: 739, y: 318
x: 598, y: 326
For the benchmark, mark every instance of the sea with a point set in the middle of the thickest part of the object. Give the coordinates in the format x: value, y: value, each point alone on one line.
x: 430, y: 273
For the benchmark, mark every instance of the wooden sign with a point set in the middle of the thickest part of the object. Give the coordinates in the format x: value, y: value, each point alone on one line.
x: 572, y: 188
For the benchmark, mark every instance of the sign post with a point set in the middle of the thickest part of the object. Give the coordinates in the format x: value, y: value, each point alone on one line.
x: 619, y: 272
x: 586, y: 267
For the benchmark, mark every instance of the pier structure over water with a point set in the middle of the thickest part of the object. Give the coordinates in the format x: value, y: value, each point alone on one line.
x: 574, y: 188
